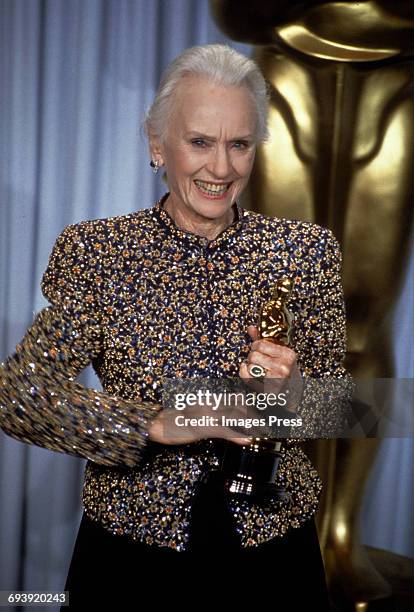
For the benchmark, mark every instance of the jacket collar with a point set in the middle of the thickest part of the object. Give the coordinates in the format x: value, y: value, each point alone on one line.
x: 188, y: 238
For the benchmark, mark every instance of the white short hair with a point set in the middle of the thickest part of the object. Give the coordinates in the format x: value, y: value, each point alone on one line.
x: 223, y: 66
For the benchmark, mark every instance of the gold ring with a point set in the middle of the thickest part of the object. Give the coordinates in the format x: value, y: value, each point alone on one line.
x: 257, y: 371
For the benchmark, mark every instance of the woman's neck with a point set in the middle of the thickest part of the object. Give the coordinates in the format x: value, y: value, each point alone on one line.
x: 196, y: 224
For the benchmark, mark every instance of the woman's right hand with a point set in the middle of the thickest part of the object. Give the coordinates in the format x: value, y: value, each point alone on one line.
x: 165, y: 430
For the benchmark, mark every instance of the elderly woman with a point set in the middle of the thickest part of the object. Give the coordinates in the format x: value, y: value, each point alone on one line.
x: 174, y: 290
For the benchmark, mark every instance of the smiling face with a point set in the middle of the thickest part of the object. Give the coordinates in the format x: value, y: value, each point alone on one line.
x: 209, y: 149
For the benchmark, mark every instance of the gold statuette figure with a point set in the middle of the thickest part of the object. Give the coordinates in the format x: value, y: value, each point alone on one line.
x: 275, y: 320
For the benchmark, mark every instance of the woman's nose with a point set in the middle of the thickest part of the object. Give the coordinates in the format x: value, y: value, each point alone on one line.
x: 220, y: 165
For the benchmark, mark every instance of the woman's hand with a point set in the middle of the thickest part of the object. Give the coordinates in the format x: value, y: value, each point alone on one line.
x: 280, y: 363
x: 164, y: 428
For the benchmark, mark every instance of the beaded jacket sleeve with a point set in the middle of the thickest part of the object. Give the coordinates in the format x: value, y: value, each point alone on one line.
x: 320, y: 341
x: 40, y: 402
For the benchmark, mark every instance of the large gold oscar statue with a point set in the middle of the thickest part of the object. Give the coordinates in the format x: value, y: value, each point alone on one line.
x: 341, y: 151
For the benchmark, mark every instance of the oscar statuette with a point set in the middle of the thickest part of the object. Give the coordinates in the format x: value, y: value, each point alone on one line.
x: 251, y: 470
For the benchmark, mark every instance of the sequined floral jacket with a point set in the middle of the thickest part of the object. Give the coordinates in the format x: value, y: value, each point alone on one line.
x: 142, y: 299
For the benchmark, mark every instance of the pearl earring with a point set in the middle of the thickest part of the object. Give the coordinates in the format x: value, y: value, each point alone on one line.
x: 155, y: 166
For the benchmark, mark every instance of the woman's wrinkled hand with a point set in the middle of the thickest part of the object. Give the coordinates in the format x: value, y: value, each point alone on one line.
x: 280, y: 363
x: 164, y: 428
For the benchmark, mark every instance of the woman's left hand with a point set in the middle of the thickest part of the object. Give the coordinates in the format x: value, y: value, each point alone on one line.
x: 280, y: 363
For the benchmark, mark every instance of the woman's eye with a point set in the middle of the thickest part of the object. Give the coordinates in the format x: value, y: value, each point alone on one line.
x: 241, y: 144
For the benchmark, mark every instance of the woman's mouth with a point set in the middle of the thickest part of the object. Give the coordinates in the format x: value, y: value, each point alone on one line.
x: 214, y: 191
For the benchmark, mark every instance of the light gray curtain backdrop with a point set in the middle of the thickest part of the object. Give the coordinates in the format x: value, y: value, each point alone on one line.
x: 76, y: 77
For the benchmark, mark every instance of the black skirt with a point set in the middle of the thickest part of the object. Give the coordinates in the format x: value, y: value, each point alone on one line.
x: 115, y: 572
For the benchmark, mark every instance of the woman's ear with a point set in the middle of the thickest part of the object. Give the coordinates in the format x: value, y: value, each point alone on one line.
x: 155, y: 150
